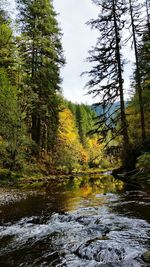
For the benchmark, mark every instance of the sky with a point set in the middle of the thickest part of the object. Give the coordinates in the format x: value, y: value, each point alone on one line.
x: 77, y: 40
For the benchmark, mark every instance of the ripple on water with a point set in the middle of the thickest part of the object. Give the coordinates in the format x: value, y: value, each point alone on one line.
x: 88, y: 236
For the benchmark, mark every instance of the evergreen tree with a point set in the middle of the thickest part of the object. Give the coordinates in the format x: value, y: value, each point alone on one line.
x: 42, y: 58
x: 72, y: 107
x: 135, y: 32
x: 144, y: 59
x: 140, y: 35
x: 106, y: 75
x: 84, y: 117
x: 13, y: 137
x: 81, y: 123
x: 148, y: 15
x: 7, y: 46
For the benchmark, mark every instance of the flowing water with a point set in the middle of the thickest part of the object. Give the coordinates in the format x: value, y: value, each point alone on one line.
x: 81, y: 222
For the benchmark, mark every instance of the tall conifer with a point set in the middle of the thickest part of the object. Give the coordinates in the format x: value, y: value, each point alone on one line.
x: 135, y: 32
x: 106, y: 80
x: 42, y: 59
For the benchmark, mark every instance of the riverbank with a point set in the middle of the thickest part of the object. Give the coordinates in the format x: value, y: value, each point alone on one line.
x: 39, y: 179
x: 22, y: 188
x: 9, y: 196
x: 134, y: 178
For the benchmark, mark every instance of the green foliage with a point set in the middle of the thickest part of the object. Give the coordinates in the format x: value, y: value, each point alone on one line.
x: 13, y: 138
x: 41, y: 52
x: 133, y: 110
x: 143, y: 163
x: 68, y: 148
x: 7, y: 46
x: 106, y: 74
x: 38, y: 129
x: 84, y: 116
x: 5, y: 40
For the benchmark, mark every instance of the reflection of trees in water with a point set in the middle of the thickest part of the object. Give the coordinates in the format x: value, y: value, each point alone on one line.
x: 72, y: 192
x: 89, y: 187
x: 61, y: 197
x: 102, y: 184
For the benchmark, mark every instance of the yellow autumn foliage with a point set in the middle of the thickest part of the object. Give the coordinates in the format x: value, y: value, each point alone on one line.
x: 71, y: 155
x: 95, y: 150
x: 70, y: 152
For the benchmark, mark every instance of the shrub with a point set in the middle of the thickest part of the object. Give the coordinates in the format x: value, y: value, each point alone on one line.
x: 143, y: 162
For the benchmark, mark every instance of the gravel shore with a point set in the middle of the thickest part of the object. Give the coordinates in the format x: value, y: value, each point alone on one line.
x: 8, y: 195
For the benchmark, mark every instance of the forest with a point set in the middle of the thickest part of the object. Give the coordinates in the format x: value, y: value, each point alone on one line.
x: 42, y: 133
x: 74, y: 177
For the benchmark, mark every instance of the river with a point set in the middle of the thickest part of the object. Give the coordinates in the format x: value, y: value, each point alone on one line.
x: 81, y: 222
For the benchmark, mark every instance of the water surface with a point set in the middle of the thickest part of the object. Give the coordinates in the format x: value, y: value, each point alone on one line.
x: 80, y: 222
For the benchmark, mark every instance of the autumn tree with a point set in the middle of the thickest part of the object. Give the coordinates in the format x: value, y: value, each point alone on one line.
x: 69, y: 150
x: 95, y: 151
x: 84, y: 117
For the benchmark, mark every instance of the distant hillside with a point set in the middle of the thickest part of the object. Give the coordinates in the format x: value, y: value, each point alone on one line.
x: 99, y: 109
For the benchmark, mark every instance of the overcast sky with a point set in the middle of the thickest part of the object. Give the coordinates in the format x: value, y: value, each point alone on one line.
x: 77, y: 39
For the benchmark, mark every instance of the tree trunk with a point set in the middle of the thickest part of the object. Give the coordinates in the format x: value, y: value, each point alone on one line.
x: 148, y: 16
x: 34, y: 128
x: 138, y: 76
x: 120, y: 80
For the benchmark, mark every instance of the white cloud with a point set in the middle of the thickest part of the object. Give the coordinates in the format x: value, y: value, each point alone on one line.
x: 77, y: 40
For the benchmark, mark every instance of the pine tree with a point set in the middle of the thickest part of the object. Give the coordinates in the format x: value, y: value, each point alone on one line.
x: 12, y: 128
x: 42, y: 58
x: 106, y: 74
x: 144, y: 59
x: 135, y: 32
x: 7, y: 46
x: 13, y: 137
x: 148, y: 14
x: 81, y: 123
